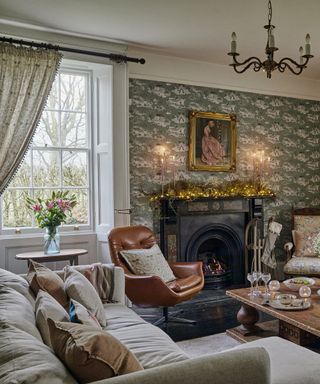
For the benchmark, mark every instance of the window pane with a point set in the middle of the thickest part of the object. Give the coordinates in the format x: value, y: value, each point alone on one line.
x: 73, y: 92
x: 73, y: 129
x: 80, y: 213
x: 46, y: 168
x: 75, y: 169
x: 48, y: 130
x: 23, y: 176
x: 14, y: 210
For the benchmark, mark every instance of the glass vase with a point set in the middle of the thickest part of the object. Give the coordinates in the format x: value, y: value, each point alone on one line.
x: 51, y: 244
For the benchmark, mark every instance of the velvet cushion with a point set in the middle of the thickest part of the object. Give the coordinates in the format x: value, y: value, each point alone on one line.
x: 48, y: 307
x: 81, y: 315
x: 89, y: 353
x: 148, y: 261
x: 41, y: 277
x: 79, y: 288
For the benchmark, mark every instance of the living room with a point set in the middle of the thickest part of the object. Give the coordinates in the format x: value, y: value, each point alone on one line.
x: 142, y: 93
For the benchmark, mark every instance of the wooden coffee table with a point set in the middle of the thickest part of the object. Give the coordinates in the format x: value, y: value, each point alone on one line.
x: 300, y: 327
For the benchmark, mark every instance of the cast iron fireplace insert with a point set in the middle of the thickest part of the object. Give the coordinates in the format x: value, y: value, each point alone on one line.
x: 210, y: 230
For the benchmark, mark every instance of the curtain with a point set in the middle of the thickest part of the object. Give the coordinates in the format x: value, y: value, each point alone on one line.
x: 26, y: 78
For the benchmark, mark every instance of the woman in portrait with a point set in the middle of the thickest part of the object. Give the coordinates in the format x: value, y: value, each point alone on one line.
x: 212, y: 150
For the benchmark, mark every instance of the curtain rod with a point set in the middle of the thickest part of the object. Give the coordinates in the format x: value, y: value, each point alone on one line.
x: 112, y: 56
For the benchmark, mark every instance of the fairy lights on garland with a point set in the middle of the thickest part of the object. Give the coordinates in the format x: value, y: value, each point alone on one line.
x: 237, y: 188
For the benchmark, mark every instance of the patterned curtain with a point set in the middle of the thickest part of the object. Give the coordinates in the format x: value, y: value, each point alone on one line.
x: 26, y: 78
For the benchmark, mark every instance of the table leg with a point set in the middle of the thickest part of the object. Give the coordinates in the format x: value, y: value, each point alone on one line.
x: 75, y: 260
x: 247, y: 317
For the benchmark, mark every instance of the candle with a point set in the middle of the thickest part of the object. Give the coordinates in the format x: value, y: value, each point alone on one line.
x: 305, y: 291
x: 301, y: 54
x: 308, y: 46
x: 234, y: 43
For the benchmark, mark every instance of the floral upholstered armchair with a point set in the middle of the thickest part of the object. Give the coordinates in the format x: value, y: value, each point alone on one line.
x: 302, y: 255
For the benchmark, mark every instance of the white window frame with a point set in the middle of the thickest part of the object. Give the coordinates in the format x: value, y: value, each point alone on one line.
x: 95, y: 124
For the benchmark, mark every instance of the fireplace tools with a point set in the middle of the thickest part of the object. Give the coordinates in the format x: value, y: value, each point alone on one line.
x: 261, y: 249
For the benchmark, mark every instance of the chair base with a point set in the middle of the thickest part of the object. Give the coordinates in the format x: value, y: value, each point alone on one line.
x: 165, y: 319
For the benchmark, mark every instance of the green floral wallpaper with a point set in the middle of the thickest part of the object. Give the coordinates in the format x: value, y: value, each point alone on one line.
x: 287, y: 129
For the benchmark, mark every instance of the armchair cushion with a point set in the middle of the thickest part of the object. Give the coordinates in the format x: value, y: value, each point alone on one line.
x: 148, y: 261
x: 303, y: 266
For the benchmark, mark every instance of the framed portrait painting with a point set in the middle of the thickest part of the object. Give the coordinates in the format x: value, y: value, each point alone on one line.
x: 212, y: 142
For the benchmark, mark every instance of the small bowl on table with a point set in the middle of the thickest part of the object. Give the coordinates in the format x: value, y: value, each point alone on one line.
x: 296, y: 283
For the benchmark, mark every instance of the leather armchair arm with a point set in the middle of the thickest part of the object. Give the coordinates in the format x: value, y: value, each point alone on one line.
x: 149, y: 291
x: 181, y: 269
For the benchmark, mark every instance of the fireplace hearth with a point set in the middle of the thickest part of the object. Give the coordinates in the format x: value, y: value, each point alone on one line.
x: 211, y: 231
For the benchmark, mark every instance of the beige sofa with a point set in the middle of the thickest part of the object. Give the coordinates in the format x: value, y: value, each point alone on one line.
x: 24, y: 358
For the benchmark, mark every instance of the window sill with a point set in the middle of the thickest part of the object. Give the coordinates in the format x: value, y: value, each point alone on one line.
x: 39, y: 235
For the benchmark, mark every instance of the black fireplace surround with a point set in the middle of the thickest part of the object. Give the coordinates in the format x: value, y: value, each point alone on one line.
x: 210, y: 230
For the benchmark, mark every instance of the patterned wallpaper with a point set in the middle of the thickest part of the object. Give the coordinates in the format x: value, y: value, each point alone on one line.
x: 287, y: 129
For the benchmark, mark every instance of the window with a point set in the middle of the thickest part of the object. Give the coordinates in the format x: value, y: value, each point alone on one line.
x: 60, y: 155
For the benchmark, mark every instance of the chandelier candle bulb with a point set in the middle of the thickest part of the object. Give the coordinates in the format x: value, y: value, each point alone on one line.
x: 308, y: 46
x: 301, y: 54
x: 234, y: 43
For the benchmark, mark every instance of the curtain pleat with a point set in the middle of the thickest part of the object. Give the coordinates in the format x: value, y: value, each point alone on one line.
x: 26, y: 78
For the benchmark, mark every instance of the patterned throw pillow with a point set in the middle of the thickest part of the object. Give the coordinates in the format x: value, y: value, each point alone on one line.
x: 148, y: 262
x: 304, y: 244
x: 80, y: 289
x: 306, y: 223
x: 89, y: 353
x: 80, y: 314
x: 41, y: 277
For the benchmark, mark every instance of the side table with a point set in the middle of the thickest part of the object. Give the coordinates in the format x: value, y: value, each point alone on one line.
x: 66, y: 254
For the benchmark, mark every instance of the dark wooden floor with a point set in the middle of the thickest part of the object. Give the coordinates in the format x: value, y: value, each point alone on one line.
x: 212, y: 309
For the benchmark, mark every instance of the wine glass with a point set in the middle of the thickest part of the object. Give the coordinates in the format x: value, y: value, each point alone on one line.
x: 252, y: 278
x: 266, y: 277
x: 257, y: 275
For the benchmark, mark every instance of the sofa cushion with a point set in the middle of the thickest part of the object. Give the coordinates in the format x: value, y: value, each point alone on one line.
x: 18, y: 283
x: 17, y: 310
x: 89, y: 353
x: 80, y: 289
x: 26, y: 360
x: 149, y: 261
x: 151, y: 346
x: 81, y: 315
x: 290, y: 363
x: 48, y: 307
x: 41, y: 277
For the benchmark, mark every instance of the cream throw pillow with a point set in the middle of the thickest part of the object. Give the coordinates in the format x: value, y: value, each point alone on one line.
x: 80, y: 289
x: 89, y: 353
x: 81, y: 315
x: 148, y: 262
x: 47, y: 307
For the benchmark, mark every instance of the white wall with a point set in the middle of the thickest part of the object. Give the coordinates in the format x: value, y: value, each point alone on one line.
x: 177, y: 70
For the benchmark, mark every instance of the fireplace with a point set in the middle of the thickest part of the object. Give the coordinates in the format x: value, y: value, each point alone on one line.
x: 211, y: 231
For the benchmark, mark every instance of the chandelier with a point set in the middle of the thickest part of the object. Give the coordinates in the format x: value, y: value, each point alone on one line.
x: 269, y: 65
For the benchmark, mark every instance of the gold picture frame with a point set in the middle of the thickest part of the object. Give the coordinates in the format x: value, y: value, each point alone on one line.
x: 212, y: 142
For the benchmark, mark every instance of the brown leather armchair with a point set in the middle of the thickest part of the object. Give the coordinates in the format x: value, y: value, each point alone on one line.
x: 152, y: 291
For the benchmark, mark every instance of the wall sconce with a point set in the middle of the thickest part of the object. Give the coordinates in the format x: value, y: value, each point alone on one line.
x: 164, y: 163
x: 260, y: 165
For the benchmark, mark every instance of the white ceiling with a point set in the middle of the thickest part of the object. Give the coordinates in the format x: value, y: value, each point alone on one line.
x: 195, y: 29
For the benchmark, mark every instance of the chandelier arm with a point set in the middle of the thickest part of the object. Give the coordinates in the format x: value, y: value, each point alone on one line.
x: 256, y: 64
x: 282, y: 65
x: 236, y: 62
